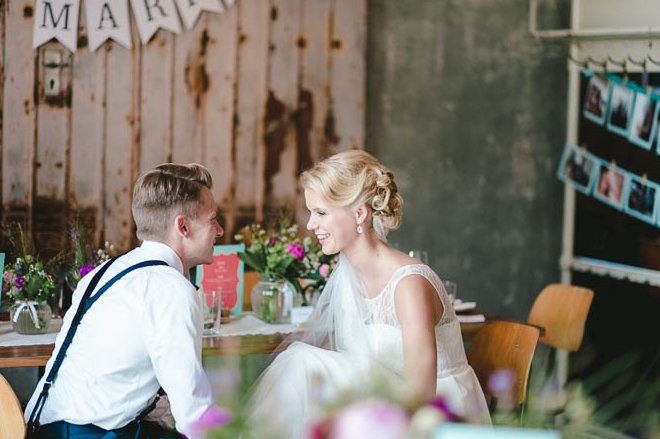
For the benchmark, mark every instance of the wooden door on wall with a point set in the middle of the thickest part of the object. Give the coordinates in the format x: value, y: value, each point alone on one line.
x: 256, y: 93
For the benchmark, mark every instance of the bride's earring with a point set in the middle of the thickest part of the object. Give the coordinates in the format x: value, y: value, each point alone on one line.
x: 359, y: 228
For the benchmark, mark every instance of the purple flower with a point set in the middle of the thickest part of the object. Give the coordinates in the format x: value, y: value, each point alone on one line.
x: 440, y: 404
x: 86, y: 269
x: 324, y: 270
x: 19, y: 282
x: 213, y: 417
x: 272, y: 240
x: 371, y: 418
x: 296, y: 250
x: 501, y: 381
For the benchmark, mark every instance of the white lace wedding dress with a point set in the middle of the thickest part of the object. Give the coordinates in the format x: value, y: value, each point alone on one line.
x: 288, y: 395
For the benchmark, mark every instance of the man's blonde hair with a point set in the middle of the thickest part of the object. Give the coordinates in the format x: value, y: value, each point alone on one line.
x: 164, y: 192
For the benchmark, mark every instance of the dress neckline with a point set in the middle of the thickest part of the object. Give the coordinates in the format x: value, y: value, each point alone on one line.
x: 380, y: 293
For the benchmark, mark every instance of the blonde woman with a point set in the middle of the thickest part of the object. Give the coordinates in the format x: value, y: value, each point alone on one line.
x: 382, y: 312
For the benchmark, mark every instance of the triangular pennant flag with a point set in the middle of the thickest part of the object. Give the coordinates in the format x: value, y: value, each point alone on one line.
x: 154, y: 14
x: 190, y: 9
x: 56, y: 19
x: 108, y: 19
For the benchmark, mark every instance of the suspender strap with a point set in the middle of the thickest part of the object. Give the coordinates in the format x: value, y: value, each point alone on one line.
x: 86, y: 302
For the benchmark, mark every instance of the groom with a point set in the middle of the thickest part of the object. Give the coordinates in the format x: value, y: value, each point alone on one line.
x: 144, y: 332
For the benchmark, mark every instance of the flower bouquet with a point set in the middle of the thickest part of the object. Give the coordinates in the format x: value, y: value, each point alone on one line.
x: 84, y: 256
x: 287, y: 264
x: 27, y: 284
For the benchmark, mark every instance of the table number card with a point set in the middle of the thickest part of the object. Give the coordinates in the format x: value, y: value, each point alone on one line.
x: 225, y: 273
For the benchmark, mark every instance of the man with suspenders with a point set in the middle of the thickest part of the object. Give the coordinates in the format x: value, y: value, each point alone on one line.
x: 135, y: 322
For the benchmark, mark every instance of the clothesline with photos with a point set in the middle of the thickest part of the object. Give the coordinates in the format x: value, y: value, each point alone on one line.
x: 109, y: 19
x: 624, y: 107
x: 623, y: 190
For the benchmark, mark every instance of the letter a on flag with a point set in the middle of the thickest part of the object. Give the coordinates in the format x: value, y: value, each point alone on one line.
x: 56, y: 19
x: 107, y: 19
x: 190, y: 9
x: 154, y: 14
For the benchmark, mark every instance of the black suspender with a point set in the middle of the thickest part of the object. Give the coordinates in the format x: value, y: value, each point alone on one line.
x: 85, y: 303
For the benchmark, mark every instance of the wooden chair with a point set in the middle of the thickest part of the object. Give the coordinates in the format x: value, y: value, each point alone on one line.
x: 504, y: 345
x: 562, y: 311
x: 250, y: 279
x: 12, y: 424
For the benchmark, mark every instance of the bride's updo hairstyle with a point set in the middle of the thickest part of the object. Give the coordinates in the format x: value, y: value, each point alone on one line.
x: 355, y: 177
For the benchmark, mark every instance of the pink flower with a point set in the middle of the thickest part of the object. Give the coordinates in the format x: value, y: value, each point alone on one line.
x: 19, y: 282
x: 501, y: 381
x: 296, y: 250
x: 85, y: 269
x: 371, y: 418
x: 324, y: 270
x: 440, y: 404
x: 213, y: 417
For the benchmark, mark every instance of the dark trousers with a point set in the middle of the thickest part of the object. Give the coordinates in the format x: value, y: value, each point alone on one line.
x: 134, y: 430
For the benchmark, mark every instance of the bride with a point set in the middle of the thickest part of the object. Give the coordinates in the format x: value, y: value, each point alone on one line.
x: 381, y: 313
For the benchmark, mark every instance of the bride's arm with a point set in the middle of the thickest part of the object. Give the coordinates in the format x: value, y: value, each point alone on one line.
x: 418, y: 309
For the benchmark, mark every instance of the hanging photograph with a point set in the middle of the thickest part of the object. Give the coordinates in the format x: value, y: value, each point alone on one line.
x: 610, y: 184
x: 621, y: 104
x: 641, y: 199
x: 577, y: 168
x: 595, y: 99
x: 643, y: 120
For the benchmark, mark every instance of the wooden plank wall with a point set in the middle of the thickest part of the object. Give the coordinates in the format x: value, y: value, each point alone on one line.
x: 256, y: 93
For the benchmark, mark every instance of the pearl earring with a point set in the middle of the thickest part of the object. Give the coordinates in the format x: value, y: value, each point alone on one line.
x: 359, y: 228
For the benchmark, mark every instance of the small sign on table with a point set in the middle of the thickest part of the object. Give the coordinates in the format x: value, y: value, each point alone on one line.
x: 224, y: 274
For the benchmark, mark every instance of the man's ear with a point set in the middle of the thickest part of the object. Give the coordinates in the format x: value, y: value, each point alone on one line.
x: 182, y: 226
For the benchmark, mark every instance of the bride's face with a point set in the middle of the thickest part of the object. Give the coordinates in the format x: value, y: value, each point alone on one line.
x: 335, y: 227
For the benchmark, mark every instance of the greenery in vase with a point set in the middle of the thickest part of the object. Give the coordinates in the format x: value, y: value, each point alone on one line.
x: 279, y: 252
x: 84, y: 256
x: 27, y: 279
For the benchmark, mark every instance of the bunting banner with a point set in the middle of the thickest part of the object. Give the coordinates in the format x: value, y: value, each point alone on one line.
x: 56, y: 19
x: 108, y: 19
x: 152, y: 15
x: 190, y: 10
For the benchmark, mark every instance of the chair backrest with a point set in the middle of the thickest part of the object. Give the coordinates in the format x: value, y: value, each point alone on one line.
x: 562, y: 311
x: 504, y: 345
x: 250, y: 279
x: 12, y: 424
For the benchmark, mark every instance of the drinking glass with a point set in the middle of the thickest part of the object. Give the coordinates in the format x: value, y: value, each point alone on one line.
x: 419, y: 254
x: 451, y: 287
x: 212, y: 305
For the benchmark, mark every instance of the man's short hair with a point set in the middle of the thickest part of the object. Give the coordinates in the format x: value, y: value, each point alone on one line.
x: 164, y: 192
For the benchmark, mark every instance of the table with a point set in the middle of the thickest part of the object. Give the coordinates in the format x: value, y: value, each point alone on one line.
x: 236, y: 338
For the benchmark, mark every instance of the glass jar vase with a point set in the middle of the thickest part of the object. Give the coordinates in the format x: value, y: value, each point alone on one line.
x: 272, y: 300
x: 30, y: 317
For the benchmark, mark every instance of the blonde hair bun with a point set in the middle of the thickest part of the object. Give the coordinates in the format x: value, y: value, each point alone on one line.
x: 355, y: 177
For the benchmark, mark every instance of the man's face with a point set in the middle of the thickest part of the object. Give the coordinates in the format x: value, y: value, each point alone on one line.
x: 203, y: 231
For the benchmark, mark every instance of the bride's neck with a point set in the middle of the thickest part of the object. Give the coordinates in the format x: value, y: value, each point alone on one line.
x: 364, y: 255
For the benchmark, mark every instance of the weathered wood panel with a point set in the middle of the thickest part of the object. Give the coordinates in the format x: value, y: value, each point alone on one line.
x: 220, y: 66
x: 348, y: 75
x: 156, y: 101
x: 280, y: 172
x: 85, y: 186
x: 122, y: 137
x: 256, y: 93
x: 254, y: 28
x: 18, y: 113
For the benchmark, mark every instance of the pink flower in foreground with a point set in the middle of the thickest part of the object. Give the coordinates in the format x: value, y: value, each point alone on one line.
x: 370, y: 418
x: 501, y: 381
x: 324, y: 270
x: 85, y: 269
x: 296, y: 250
x: 213, y: 417
x: 440, y: 404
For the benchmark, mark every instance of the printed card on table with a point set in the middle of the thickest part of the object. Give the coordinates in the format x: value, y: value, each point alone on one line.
x: 225, y: 273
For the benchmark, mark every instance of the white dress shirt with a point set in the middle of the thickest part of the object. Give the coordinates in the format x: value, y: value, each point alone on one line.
x: 144, y: 332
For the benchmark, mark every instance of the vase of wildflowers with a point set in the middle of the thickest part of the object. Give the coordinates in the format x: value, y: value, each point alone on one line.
x: 27, y: 284
x: 85, y: 257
